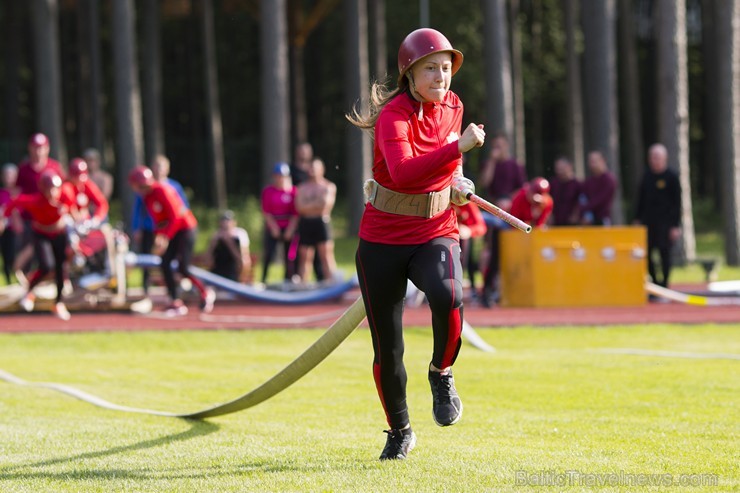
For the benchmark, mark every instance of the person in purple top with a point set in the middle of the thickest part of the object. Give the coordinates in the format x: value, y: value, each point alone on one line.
x: 502, y: 176
x: 599, y: 190
x: 565, y: 190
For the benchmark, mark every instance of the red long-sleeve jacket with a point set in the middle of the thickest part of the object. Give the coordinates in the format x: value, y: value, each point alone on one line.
x: 414, y: 155
x: 169, y: 212
x: 87, y: 193
x: 531, y: 213
x: 46, y: 217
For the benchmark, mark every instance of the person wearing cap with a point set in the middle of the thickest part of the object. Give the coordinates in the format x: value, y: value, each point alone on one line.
x: 409, y: 230
x: 281, y: 220
x: 142, y: 223
x: 533, y: 203
x: 99, y: 176
x: 228, y: 250
x: 174, y: 237
x: 49, y: 209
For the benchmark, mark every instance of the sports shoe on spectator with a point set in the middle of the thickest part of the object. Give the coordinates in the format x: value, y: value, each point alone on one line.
x: 176, y: 309
x: 60, y: 310
x: 398, y: 444
x: 144, y: 305
x: 207, y: 300
x: 446, y: 404
x: 27, y: 302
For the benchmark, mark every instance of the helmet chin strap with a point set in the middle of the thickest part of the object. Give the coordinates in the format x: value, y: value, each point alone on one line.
x: 416, y: 95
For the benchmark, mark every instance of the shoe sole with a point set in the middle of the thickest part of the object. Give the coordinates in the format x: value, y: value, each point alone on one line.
x: 457, y: 418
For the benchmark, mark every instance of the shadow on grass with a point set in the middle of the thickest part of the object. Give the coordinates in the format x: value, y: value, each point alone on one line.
x: 197, y: 429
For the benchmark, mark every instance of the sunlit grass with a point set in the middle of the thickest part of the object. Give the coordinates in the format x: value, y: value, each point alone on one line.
x: 548, y: 401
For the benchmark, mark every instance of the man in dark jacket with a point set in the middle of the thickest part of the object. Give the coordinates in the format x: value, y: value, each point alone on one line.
x: 659, y: 208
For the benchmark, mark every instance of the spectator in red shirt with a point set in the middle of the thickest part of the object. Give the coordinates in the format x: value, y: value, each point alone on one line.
x: 598, y: 191
x: 408, y: 229
x: 533, y: 203
x: 49, y: 210
x: 175, y: 227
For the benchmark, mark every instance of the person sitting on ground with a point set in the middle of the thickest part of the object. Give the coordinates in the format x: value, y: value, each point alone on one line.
x: 49, y: 210
x: 174, y: 237
x: 314, y: 202
x: 228, y: 250
x: 533, y: 203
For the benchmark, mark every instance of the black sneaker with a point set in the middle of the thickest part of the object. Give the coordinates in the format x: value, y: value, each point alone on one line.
x: 398, y: 444
x: 446, y: 404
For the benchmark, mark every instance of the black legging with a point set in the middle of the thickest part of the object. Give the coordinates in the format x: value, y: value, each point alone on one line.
x: 51, y: 252
x: 180, y: 247
x: 145, y: 246
x: 383, y: 271
x: 659, y: 239
x: 8, y: 248
x: 271, y: 244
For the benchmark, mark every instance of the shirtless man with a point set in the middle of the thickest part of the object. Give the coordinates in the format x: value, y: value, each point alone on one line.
x: 314, y: 202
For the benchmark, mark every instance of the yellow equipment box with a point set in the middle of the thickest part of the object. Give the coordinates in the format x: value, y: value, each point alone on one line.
x: 574, y: 266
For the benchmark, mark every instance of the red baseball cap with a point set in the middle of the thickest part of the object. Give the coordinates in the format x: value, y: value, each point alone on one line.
x: 38, y: 140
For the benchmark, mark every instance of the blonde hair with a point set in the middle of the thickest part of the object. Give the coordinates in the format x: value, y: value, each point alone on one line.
x: 380, y: 95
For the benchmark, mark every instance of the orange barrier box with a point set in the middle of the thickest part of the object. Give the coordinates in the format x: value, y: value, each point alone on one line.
x: 574, y: 266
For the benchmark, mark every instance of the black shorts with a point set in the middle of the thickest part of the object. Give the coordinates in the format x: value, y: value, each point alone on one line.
x: 313, y: 230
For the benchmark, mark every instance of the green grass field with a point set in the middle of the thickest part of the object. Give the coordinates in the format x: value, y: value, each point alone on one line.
x: 551, y: 406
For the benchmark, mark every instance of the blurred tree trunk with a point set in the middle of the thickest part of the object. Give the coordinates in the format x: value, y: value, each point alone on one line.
x: 214, y: 125
x: 151, y: 81
x: 500, y: 100
x: 14, y: 39
x: 574, y: 117
x: 633, y: 153
x: 299, y: 116
x: 673, y: 106
x: 728, y: 88
x: 598, y: 20
x: 275, y: 86
x: 357, y: 144
x: 536, y: 100
x: 91, y: 132
x: 127, y: 100
x: 47, y: 74
x: 519, y: 144
x: 300, y: 27
x: 711, y: 169
x: 378, y: 40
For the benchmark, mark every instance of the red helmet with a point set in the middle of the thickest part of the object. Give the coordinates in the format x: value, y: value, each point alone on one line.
x: 421, y: 43
x: 141, y: 176
x: 47, y: 180
x: 78, y: 169
x: 539, y: 185
x: 38, y: 140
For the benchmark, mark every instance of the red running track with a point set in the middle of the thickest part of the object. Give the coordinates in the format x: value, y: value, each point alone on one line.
x: 249, y: 315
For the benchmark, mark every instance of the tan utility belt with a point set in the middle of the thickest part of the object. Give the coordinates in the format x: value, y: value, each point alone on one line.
x: 407, y: 204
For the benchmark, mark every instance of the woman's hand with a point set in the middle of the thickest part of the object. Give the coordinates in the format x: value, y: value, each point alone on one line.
x: 473, y: 136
